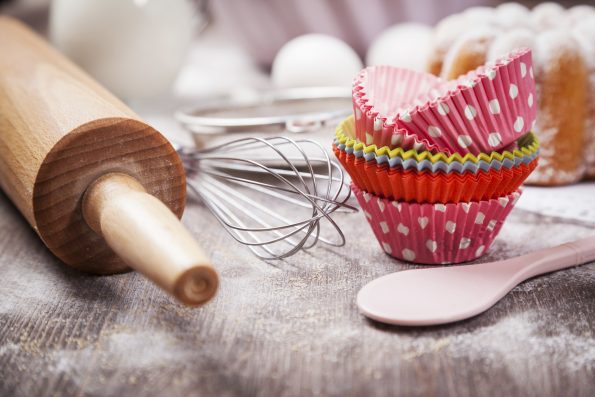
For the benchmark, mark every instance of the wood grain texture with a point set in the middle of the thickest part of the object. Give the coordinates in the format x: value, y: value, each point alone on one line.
x: 60, y: 131
x: 146, y: 235
x: 39, y: 90
x: 287, y: 328
x: 104, y: 146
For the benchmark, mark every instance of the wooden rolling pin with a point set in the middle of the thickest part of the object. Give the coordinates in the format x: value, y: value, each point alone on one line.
x: 103, y: 190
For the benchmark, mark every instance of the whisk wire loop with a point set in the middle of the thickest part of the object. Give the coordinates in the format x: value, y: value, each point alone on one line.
x: 271, y: 194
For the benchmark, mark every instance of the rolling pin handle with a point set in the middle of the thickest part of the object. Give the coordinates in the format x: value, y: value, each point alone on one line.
x: 149, y: 237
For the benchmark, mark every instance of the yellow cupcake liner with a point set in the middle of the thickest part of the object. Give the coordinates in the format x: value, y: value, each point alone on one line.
x: 528, y: 145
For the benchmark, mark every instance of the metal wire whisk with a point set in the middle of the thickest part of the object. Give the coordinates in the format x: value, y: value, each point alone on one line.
x: 271, y: 194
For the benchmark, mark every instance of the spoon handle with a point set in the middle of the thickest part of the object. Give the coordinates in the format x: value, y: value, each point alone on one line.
x: 555, y: 258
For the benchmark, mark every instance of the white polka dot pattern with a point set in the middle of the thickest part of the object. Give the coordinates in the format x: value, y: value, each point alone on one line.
x: 494, y: 139
x: 519, y: 123
x: 431, y: 245
x: 434, y: 131
x: 450, y: 227
x: 513, y: 91
x: 447, y: 116
x: 384, y: 227
x: 479, y: 218
x: 435, y: 234
x: 408, y: 255
x: 523, y: 69
x: 443, y: 109
x: 494, y: 106
x: 387, y: 248
x: 491, y: 225
x: 403, y: 229
x: 470, y: 112
x: 469, y: 83
x: 464, y: 141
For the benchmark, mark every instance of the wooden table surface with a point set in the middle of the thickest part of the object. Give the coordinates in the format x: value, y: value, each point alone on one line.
x: 292, y: 328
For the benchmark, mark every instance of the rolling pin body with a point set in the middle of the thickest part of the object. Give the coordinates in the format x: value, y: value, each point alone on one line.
x: 60, y: 133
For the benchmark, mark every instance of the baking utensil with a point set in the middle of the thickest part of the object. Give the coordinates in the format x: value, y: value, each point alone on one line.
x: 271, y: 194
x: 103, y: 190
x: 442, y: 295
x: 293, y: 110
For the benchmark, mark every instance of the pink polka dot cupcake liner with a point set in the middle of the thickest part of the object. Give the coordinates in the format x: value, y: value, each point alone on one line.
x: 435, y: 233
x: 380, y: 95
x: 485, y: 110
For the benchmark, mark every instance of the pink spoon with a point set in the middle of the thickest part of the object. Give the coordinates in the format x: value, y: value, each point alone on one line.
x: 446, y: 294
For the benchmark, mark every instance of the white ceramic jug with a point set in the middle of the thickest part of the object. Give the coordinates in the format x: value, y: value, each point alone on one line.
x: 133, y: 47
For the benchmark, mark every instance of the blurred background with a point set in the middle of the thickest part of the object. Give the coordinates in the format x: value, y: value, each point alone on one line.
x: 160, y: 55
x: 263, y: 26
x: 258, y: 28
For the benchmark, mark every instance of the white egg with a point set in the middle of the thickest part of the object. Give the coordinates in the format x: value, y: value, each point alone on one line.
x: 406, y: 45
x: 315, y: 60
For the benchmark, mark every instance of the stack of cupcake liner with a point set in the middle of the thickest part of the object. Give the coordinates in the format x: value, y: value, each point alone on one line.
x: 484, y: 110
x: 434, y: 178
x: 436, y: 166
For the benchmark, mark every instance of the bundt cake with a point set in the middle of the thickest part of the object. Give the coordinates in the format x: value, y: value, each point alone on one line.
x: 563, y: 45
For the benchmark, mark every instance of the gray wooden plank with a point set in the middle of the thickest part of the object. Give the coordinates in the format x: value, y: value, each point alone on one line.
x: 291, y: 329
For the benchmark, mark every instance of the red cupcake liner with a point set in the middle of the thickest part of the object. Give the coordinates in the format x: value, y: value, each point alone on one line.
x: 432, y: 187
